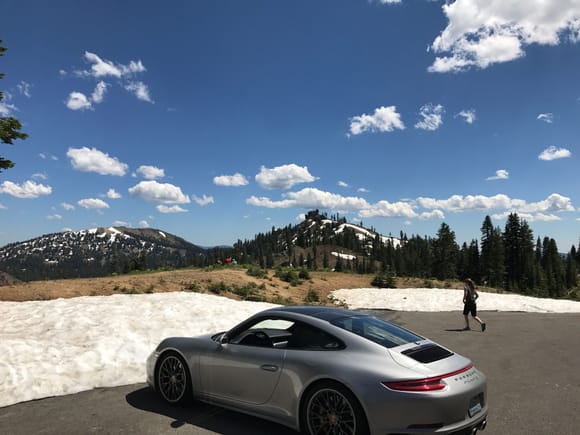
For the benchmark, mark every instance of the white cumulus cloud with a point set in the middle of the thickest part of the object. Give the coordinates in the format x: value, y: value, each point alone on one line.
x: 28, y: 190
x: 481, y: 33
x: 435, y: 214
x: 311, y: 198
x: 384, y: 119
x: 150, y: 172
x: 78, y: 101
x: 552, y: 204
x: 283, y: 177
x: 387, y: 209
x: 500, y: 174
x: 93, y: 203
x: 262, y: 201
x: 459, y: 203
x: 163, y: 193
x: 235, y: 180
x: 553, y: 153
x: 170, y: 209
x: 530, y: 217
x: 92, y: 160
x: 113, y: 194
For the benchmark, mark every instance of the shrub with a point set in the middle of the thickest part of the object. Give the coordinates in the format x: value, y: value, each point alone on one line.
x: 290, y: 276
x: 257, y: 272
x: 312, y: 296
x: 217, y: 288
x: 278, y: 299
x: 246, y: 291
x: 384, y: 280
x: 192, y: 287
x: 303, y: 274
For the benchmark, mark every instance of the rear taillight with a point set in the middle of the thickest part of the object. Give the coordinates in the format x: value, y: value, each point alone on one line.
x: 434, y: 383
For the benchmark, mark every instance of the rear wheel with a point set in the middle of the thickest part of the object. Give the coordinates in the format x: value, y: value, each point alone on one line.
x: 330, y: 408
x: 172, y: 379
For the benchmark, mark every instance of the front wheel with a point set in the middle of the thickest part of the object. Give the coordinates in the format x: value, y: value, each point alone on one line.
x: 330, y: 408
x: 172, y: 379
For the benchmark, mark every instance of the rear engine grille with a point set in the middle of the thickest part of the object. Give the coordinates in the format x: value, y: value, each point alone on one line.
x: 427, y: 353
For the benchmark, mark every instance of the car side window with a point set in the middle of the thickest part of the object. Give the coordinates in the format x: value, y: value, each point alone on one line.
x: 265, y: 332
x: 307, y: 337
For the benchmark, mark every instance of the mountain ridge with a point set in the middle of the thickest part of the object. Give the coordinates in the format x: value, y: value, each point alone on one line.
x: 104, y: 251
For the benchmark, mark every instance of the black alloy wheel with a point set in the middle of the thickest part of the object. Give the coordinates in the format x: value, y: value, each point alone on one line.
x: 331, y: 409
x: 173, y: 379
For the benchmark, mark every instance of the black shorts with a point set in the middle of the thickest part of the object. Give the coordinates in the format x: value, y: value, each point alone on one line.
x: 470, y: 307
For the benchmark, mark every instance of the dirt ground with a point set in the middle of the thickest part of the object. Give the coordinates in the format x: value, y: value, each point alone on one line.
x: 226, y: 281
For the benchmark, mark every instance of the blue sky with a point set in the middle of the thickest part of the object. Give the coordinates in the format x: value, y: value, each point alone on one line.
x: 216, y: 120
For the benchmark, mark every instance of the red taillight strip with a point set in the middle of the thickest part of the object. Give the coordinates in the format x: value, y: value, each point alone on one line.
x: 426, y: 384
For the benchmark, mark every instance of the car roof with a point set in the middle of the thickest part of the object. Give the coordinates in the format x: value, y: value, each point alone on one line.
x: 319, y: 312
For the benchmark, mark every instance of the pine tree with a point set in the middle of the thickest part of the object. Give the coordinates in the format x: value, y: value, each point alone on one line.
x: 527, y: 280
x: 552, y: 265
x: 9, y: 127
x: 511, y: 241
x: 445, y: 252
x: 338, y: 267
x: 492, y: 255
x: 571, y: 270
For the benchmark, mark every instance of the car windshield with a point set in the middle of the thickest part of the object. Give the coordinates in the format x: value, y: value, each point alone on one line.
x: 384, y: 333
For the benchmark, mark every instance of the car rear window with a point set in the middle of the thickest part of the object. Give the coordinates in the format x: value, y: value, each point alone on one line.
x: 384, y: 333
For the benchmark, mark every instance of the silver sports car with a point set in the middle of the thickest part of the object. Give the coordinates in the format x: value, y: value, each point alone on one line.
x: 323, y: 370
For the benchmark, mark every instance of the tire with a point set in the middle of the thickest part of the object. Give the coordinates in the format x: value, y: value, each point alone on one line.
x: 330, y: 408
x: 172, y: 379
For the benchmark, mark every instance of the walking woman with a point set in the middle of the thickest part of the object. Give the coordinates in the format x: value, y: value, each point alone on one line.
x: 470, y: 296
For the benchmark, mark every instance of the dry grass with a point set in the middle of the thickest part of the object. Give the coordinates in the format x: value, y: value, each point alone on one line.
x: 225, y: 281
x: 228, y: 279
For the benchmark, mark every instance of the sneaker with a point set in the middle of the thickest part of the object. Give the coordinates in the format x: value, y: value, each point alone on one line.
x: 467, y: 328
x: 483, y: 326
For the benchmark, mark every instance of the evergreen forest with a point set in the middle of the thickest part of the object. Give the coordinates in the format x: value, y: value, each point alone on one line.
x: 509, y: 259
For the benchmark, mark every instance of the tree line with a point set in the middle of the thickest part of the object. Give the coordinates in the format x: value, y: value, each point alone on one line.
x: 511, y: 258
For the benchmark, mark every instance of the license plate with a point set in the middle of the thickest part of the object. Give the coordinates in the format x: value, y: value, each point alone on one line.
x: 474, y: 406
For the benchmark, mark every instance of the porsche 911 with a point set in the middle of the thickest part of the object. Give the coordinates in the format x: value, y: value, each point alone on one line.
x: 325, y: 370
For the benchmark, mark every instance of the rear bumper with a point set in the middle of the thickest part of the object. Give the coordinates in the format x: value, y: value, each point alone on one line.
x: 471, y: 428
x: 460, y: 409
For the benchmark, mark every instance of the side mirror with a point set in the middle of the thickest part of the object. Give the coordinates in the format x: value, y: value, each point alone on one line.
x: 224, y: 339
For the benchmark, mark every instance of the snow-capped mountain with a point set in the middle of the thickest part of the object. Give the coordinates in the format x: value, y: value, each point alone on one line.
x: 96, y: 252
x: 318, y: 241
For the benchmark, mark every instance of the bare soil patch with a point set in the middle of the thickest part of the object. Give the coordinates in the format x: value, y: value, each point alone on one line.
x: 225, y: 281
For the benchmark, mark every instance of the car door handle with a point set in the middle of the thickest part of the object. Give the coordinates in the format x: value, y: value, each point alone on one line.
x: 269, y: 367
